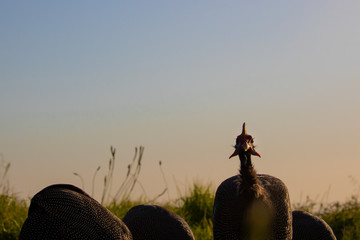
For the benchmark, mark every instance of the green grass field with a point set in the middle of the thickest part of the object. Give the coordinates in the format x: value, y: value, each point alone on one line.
x: 196, y: 209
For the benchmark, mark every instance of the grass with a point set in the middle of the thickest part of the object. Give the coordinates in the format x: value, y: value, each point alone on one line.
x: 13, y: 213
x: 344, y: 219
x: 195, y: 207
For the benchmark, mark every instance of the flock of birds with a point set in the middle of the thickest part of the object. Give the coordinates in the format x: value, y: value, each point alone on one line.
x: 247, y: 206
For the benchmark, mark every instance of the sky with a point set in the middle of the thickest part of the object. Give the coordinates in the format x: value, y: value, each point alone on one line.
x: 180, y: 78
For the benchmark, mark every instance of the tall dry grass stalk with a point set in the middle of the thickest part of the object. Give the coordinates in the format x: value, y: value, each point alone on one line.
x: 131, y: 179
x: 126, y: 187
x: 4, y: 182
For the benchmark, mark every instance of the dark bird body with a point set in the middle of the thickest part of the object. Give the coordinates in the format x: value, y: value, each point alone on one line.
x: 251, y: 206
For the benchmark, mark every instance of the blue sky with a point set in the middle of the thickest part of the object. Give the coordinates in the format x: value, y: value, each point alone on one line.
x: 180, y: 78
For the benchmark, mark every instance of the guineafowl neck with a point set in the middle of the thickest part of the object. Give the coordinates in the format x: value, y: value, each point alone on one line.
x: 248, y: 176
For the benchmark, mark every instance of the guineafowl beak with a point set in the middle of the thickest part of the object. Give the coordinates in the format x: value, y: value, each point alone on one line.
x: 243, y: 148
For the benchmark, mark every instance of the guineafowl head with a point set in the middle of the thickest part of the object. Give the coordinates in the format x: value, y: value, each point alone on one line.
x: 244, y: 147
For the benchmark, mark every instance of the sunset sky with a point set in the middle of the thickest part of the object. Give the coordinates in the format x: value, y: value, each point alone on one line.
x: 180, y: 78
